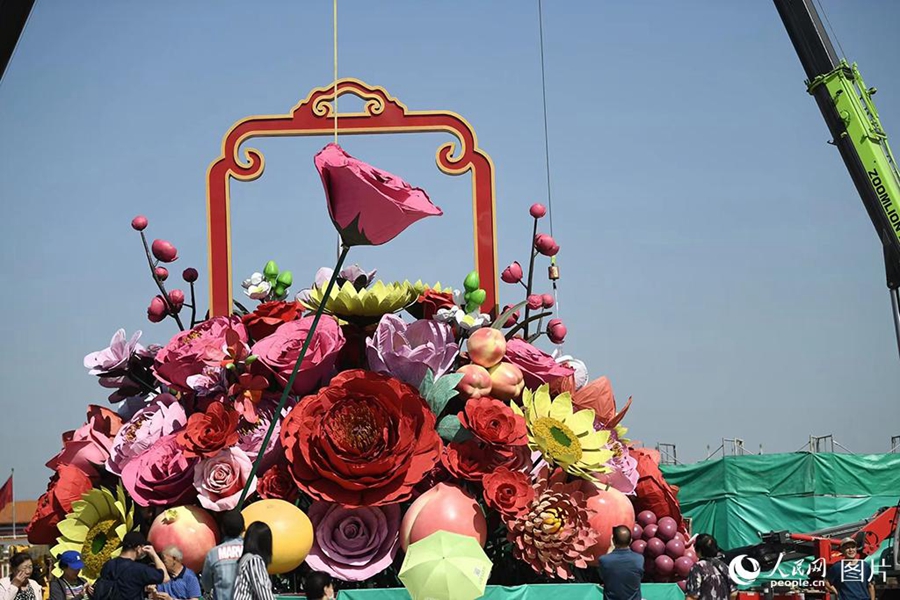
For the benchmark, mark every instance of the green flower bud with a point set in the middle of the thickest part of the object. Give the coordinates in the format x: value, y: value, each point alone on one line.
x: 477, y: 297
x: 271, y: 271
x: 472, y: 282
x: 285, y: 279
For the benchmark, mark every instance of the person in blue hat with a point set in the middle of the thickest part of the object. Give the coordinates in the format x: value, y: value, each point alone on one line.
x: 70, y: 586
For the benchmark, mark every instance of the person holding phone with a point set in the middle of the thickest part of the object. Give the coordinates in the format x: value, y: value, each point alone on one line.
x: 19, y: 585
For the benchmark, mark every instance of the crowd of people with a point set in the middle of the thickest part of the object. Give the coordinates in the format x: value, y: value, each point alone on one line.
x: 236, y: 569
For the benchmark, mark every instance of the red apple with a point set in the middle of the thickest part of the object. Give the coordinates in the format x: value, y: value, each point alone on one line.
x: 507, y: 381
x: 476, y: 381
x: 445, y: 507
x: 486, y: 346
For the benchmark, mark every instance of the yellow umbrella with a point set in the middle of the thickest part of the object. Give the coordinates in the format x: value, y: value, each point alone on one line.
x: 445, y: 566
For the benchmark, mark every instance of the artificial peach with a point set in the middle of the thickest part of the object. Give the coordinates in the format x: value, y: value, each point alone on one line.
x: 507, y: 381
x: 486, y: 346
x: 476, y: 381
x: 447, y: 507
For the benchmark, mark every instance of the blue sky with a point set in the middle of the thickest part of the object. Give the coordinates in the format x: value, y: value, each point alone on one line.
x: 717, y: 263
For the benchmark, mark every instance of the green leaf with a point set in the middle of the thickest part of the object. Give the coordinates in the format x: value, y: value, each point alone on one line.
x: 451, y: 430
x: 442, y: 391
x: 427, y: 382
x: 499, y: 321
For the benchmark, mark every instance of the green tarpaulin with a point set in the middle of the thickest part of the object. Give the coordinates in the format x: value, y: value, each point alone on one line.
x: 573, y: 591
x: 735, y: 497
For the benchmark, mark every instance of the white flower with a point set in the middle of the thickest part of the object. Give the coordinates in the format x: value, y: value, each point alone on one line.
x: 256, y: 287
x: 581, y: 372
x: 447, y: 315
x: 471, y: 321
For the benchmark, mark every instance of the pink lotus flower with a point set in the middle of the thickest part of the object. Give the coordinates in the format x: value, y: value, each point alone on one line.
x: 280, y: 350
x: 88, y: 446
x: 368, y: 206
x: 190, y: 351
x: 220, y: 479
x: 353, y: 544
x: 163, y: 416
x: 407, y: 351
x: 161, y: 476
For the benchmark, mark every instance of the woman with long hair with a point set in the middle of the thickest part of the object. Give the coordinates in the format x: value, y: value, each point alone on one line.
x: 253, y: 582
x: 19, y: 585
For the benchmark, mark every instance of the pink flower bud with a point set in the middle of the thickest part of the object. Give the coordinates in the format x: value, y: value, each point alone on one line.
x: 535, y: 301
x: 512, y: 319
x: 549, y: 300
x: 157, y: 310
x: 164, y: 251
x: 538, y: 210
x: 139, y: 223
x: 176, y: 298
x: 556, y: 331
x: 162, y: 273
x: 512, y: 273
x: 190, y: 275
x: 545, y: 244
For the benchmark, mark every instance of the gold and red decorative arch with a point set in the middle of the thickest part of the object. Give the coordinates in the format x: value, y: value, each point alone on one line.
x: 314, y: 115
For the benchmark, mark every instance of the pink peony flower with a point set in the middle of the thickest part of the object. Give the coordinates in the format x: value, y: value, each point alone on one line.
x: 190, y: 351
x: 220, y: 479
x: 88, y: 446
x: 353, y: 544
x: 537, y: 366
x: 161, y: 476
x: 163, y: 416
x: 280, y: 351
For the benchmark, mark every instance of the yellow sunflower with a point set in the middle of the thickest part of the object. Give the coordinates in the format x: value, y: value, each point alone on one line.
x: 95, y: 528
x: 367, y: 305
x: 565, y: 437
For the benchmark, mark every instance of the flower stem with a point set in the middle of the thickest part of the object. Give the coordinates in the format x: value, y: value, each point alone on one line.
x: 530, y: 275
x: 193, y: 307
x: 524, y: 325
x: 276, y: 416
x: 159, y: 284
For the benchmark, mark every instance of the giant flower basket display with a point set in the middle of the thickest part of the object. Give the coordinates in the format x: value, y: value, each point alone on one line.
x: 374, y: 414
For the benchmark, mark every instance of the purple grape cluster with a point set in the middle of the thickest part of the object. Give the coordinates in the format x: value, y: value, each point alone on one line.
x: 667, y: 555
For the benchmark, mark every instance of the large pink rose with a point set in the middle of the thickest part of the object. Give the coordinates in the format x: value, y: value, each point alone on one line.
x: 88, y: 446
x: 163, y: 416
x: 220, y: 479
x: 161, y: 476
x: 280, y: 350
x: 537, y: 366
x: 190, y: 351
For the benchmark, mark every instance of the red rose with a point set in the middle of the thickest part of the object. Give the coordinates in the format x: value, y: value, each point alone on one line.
x: 269, y: 316
x: 430, y: 302
x: 473, y: 460
x: 509, y: 492
x: 277, y: 484
x: 364, y: 440
x: 208, y: 432
x: 494, y: 422
x: 66, y: 486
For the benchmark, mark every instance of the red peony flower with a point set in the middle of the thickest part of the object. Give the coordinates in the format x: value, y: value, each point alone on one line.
x: 494, y: 422
x: 190, y: 351
x: 472, y: 460
x: 65, y: 487
x: 364, y: 440
x: 206, y: 433
x: 269, y: 316
x: 429, y: 302
x: 277, y: 484
x: 509, y: 492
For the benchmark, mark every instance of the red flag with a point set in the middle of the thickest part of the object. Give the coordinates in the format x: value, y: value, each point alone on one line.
x: 6, y: 493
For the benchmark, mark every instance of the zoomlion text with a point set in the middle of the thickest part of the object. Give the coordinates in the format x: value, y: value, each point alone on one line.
x: 885, y: 199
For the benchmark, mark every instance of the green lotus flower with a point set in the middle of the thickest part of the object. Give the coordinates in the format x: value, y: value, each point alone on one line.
x: 367, y: 305
x: 95, y: 528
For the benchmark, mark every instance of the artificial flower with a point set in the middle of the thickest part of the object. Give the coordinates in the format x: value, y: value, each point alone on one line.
x: 89, y: 445
x: 277, y: 484
x: 408, y: 351
x: 95, y: 528
x: 493, y: 422
x: 247, y: 393
x: 368, y: 206
x: 206, y: 433
x: 66, y: 486
x: 161, y: 476
x: 220, y: 479
x: 512, y: 273
x: 554, y: 534
x: 279, y: 352
x: 123, y: 366
x: 537, y: 366
x: 556, y: 331
x: 252, y: 434
x: 257, y: 287
x: 190, y: 351
x: 364, y: 440
x: 581, y: 372
x: 116, y: 356
x: 367, y: 305
x: 353, y: 544
x: 472, y: 459
x: 508, y: 492
x: 564, y: 437
x: 431, y: 300
x: 354, y: 274
x: 163, y: 416
x: 269, y: 316
x: 598, y: 396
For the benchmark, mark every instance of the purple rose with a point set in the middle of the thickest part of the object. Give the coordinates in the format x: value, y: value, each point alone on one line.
x: 406, y: 351
x: 163, y: 416
x: 190, y: 351
x: 537, y: 366
x: 353, y: 544
x: 220, y: 479
x: 280, y: 351
x: 161, y: 476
